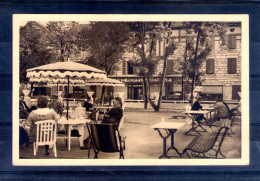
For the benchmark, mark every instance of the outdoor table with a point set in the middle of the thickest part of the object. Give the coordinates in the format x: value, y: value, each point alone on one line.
x: 170, y: 128
x: 70, y: 122
x: 103, y: 108
x: 65, y: 112
x: 193, y: 115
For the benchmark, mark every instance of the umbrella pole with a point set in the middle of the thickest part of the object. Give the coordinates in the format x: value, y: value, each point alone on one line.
x: 57, y: 89
x: 68, y: 98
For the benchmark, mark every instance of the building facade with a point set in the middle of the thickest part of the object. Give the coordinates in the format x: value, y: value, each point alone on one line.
x: 221, y: 70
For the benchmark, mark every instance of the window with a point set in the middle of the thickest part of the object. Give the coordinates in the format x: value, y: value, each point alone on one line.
x: 232, y: 41
x: 212, y: 89
x: 232, y: 65
x: 130, y: 69
x: 210, y: 66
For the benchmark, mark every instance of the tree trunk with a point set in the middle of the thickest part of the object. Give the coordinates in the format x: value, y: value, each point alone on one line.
x: 182, y: 93
x: 162, y: 82
x: 194, y: 66
x: 149, y: 92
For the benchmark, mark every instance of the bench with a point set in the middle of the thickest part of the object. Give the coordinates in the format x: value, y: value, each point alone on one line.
x: 202, y: 144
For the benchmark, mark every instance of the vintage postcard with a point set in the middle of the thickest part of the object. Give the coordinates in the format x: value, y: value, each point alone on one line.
x: 130, y: 89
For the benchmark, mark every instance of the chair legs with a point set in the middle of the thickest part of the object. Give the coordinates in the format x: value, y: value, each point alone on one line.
x: 121, y: 154
x: 54, y: 150
x: 35, y: 148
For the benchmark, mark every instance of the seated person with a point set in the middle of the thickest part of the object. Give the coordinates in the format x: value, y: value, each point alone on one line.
x: 87, y: 104
x: 58, y: 106
x: 115, y: 114
x: 40, y: 114
x: 222, y: 111
x: 196, y: 106
x: 23, y: 137
x: 23, y: 108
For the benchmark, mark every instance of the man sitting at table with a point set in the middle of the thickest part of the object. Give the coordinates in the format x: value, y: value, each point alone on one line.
x: 196, y: 107
x: 115, y: 114
x: 222, y: 111
x: 87, y: 104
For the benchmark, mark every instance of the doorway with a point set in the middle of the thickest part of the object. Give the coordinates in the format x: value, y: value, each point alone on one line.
x: 235, y: 90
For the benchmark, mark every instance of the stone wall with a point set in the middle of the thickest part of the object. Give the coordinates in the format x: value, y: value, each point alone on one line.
x: 220, y: 54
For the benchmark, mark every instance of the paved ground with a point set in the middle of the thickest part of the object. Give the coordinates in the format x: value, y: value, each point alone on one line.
x: 143, y: 142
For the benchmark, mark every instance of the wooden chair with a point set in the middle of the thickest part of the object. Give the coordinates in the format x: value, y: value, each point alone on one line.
x: 203, y: 144
x: 46, y: 135
x: 105, y: 138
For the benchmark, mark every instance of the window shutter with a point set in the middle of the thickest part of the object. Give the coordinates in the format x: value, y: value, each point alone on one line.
x: 232, y: 41
x: 232, y: 65
x: 169, y: 68
x: 135, y: 71
x: 124, y: 67
x: 210, y: 66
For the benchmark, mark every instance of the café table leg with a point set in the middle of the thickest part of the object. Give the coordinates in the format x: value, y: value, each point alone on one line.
x: 193, y: 128
x: 69, y: 135
x: 164, y: 155
x: 81, y: 132
x: 172, y: 142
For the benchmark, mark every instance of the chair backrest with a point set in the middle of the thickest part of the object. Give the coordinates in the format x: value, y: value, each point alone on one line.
x: 46, y: 132
x: 121, y: 122
x: 223, y: 130
x: 105, y: 137
x: 227, y: 106
x: 231, y: 114
x: 94, y: 115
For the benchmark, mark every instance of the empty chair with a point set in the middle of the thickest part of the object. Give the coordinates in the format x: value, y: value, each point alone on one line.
x: 105, y: 137
x: 46, y: 135
x: 201, y: 145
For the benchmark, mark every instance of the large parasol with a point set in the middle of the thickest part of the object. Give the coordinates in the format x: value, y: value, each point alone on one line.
x: 61, y: 72
x: 105, y: 82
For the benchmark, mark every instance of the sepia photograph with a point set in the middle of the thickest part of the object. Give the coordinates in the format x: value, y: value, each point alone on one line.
x: 130, y: 89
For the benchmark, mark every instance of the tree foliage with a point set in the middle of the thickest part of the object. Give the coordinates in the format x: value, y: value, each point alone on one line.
x: 64, y: 38
x: 145, y: 36
x: 198, y: 47
x: 105, y: 42
x: 34, y: 50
